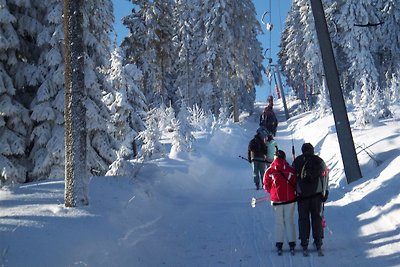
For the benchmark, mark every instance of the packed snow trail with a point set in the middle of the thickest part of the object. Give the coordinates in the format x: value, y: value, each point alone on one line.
x: 195, y: 211
x: 213, y: 224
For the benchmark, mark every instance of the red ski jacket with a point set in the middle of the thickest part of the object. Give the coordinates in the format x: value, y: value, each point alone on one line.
x: 280, y: 181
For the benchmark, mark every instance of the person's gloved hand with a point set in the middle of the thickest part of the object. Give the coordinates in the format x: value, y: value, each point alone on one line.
x: 249, y: 160
x: 325, y: 198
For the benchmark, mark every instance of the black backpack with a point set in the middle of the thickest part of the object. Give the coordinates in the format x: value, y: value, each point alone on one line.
x: 257, y: 147
x: 267, y: 119
x: 311, y: 170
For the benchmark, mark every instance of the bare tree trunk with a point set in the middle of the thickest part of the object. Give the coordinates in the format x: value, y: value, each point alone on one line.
x: 74, y: 113
x: 235, y: 105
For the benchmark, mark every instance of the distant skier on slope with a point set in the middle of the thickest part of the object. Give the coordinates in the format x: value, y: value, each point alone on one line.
x: 311, y: 193
x: 268, y: 120
x: 270, y: 101
x: 280, y: 182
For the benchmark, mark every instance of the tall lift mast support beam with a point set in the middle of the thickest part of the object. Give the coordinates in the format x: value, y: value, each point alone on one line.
x: 278, y: 74
x: 346, y: 142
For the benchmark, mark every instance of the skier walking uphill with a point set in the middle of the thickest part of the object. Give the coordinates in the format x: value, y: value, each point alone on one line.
x: 268, y: 120
x: 270, y: 101
x: 272, y: 147
x: 256, y: 154
x: 280, y: 182
x: 311, y: 184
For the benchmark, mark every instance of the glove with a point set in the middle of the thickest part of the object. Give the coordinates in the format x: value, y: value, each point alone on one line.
x: 325, y: 198
x: 249, y: 160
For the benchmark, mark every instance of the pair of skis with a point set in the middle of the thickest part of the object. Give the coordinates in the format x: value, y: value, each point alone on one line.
x: 280, y: 251
x: 306, y: 252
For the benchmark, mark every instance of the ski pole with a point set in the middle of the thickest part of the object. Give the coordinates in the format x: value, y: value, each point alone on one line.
x: 293, y: 152
x: 246, y: 159
x: 258, y: 160
x: 255, y: 200
x: 325, y: 188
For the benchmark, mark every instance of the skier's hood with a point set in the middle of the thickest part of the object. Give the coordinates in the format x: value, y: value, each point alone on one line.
x: 279, y: 164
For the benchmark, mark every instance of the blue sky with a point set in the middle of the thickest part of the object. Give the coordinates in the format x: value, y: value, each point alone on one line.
x: 277, y: 15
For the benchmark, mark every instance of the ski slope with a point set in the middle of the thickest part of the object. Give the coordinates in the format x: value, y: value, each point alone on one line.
x: 194, y: 210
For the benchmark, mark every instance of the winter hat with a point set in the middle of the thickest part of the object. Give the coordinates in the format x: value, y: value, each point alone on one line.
x: 262, y: 132
x: 280, y: 154
x: 307, y: 148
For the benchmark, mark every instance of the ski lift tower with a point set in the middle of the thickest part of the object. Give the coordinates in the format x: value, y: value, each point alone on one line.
x: 346, y: 142
x: 278, y: 74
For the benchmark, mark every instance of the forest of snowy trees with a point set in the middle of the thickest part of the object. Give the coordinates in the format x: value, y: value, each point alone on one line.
x: 184, y: 64
x: 365, y: 38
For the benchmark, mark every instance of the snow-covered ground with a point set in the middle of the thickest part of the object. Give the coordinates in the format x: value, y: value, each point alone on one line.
x: 195, y: 210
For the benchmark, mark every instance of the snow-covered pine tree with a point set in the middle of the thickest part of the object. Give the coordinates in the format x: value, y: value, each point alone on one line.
x: 187, y: 43
x: 126, y: 103
x: 14, y: 117
x: 184, y: 125
x: 250, y: 56
x: 47, y: 107
x: 166, y: 115
x: 290, y: 57
x: 47, y: 154
x: 149, y: 47
x: 233, y: 54
x: 365, y: 40
x: 313, y: 73
x: 18, y: 77
x: 390, y: 47
x: 198, y: 118
x: 238, y: 78
x: 359, y: 45
x: 323, y: 103
x: 97, y: 22
x: 150, y: 137
x: 211, y: 90
x: 394, y: 88
x: 178, y: 140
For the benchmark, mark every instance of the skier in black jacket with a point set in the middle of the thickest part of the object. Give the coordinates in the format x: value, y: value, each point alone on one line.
x: 256, y: 154
x: 311, y: 193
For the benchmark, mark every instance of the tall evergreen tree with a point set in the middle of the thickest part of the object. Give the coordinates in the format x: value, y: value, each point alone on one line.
x: 47, y: 153
x: 313, y: 73
x: 365, y: 42
x: 126, y: 103
x: 187, y: 43
x: 47, y: 107
x: 98, y: 20
x: 18, y: 78
x: 359, y: 46
x: 149, y: 47
x: 290, y: 55
x: 390, y: 47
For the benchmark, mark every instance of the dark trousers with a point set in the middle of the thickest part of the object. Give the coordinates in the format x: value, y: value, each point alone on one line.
x: 309, y: 210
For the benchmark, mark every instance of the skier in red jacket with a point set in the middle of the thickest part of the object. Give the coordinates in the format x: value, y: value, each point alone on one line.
x: 280, y: 182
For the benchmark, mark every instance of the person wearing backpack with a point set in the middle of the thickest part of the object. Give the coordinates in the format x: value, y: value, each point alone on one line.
x: 311, y: 184
x: 268, y: 120
x: 280, y: 182
x: 256, y: 154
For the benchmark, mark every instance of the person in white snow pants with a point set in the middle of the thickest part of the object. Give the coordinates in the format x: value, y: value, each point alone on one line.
x: 280, y: 182
x: 284, y: 223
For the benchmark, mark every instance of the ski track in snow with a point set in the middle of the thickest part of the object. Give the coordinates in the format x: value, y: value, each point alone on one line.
x: 206, y: 222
